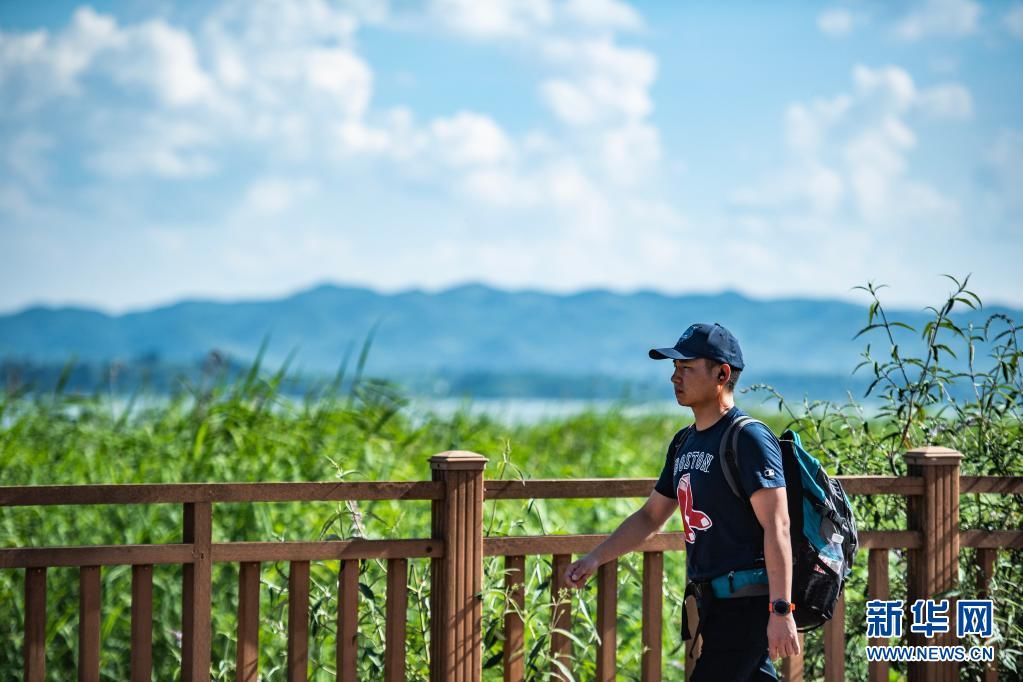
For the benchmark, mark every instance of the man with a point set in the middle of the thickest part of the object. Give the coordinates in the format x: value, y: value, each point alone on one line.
x: 738, y: 556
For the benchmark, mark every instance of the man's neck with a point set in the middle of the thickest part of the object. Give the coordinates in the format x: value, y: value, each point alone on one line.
x: 706, y: 415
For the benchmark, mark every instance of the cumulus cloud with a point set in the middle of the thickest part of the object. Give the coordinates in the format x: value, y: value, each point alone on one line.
x: 607, y: 82
x: 468, y: 138
x: 1004, y: 159
x: 1013, y: 21
x: 953, y: 18
x: 272, y: 103
x: 274, y: 195
x: 891, y: 87
x: 157, y: 146
x: 854, y: 147
x: 835, y: 22
x: 951, y: 100
x: 493, y: 19
x: 610, y: 14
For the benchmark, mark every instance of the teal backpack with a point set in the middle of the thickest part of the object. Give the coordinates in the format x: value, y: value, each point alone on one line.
x: 821, y: 523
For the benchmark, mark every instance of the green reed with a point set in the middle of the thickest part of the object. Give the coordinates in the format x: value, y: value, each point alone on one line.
x: 358, y: 428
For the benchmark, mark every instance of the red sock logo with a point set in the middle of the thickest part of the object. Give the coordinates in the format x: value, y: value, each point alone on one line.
x: 693, y: 519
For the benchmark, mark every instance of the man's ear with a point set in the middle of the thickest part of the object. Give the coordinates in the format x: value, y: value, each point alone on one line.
x: 725, y: 373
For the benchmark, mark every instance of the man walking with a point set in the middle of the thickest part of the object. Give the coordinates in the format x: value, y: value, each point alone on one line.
x: 738, y: 556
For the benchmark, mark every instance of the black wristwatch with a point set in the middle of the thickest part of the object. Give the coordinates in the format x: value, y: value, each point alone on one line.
x: 782, y: 607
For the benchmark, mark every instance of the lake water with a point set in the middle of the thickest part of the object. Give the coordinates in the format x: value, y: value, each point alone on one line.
x: 532, y: 410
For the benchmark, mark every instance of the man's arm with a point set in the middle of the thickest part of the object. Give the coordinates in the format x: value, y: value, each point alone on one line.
x: 771, y: 509
x: 632, y: 532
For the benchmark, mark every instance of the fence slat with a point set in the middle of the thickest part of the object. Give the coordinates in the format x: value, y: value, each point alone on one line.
x: 462, y: 561
x: 834, y: 644
x: 475, y: 587
x: 986, y: 558
x: 141, y: 623
x: 88, y: 623
x: 247, y: 666
x: 561, y: 612
x: 514, y: 641
x: 347, y: 619
x: 792, y: 666
x: 397, y: 609
x: 195, y: 594
x: 298, y: 621
x: 35, y: 625
x: 878, y: 587
x: 653, y: 585
x: 607, y: 621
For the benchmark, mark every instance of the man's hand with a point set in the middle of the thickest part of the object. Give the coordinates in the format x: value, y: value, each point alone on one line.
x: 577, y: 574
x: 782, y: 638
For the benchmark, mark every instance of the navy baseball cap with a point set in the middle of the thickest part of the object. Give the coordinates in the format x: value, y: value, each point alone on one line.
x: 704, y: 341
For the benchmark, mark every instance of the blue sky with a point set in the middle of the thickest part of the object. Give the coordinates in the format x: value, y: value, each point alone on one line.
x: 238, y: 149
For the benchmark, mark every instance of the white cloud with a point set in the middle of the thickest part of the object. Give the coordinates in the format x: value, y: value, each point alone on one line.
x: 606, y: 83
x: 37, y: 66
x: 274, y: 195
x: 1005, y: 159
x: 603, y: 14
x: 494, y: 18
x: 855, y: 146
x: 1013, y: 21
x: 955, y: 18
x: 163, y: 58
x: 25, y: 156
x: 153, y: 55
x: 343, y: 75
x: 893, y: 88
x: 950, y: 100
x: 159, y: 147
x: 807, y: 125
x: 875, y: 159
x: 892, y: 85
x: 468, y: 139
x: 808, y: 185
x: 835, y: 22
x: 272, y: 102
x: 630, y: 152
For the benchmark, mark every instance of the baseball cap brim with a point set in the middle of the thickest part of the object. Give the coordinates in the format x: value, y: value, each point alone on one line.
x: 668, y: 354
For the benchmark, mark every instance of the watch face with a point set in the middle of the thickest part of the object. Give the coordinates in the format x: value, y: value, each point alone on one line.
x: 780, y: 606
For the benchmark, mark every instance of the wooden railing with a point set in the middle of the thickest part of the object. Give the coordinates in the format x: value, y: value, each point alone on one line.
x: 456, y: 549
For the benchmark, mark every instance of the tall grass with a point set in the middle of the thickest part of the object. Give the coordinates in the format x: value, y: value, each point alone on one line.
x: 357, y: 428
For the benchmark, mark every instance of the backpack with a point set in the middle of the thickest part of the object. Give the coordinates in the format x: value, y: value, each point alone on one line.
x: 821, y: 523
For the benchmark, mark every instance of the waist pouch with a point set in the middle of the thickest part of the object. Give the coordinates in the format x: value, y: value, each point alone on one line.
x: 751, y: 582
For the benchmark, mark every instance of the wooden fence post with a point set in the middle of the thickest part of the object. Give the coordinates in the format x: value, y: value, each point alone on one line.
x: 195, y: 594
x: 456, y: 579
x: 934, y: 568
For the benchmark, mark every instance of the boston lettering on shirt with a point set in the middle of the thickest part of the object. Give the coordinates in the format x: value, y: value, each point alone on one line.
x: 722, y: 534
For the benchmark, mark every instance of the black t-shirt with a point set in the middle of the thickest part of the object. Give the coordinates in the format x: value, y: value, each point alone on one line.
x: 722, y: 533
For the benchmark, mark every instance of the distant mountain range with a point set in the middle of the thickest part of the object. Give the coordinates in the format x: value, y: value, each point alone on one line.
x: 468, y: 339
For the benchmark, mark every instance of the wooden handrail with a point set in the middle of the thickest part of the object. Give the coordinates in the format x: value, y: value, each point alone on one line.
x: 183, y: 553
x: 529, y: 545
x: 593, y: 488
x: 182, y: 493
x: 998, y: 485
x: 456, y: 548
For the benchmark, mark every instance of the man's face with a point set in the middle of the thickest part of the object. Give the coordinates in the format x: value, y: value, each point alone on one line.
x: 694, y: 382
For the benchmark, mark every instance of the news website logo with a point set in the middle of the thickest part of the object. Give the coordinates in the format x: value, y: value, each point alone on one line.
x: 973, y: 617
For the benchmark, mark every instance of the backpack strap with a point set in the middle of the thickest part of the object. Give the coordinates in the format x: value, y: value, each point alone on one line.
x: 680, y: 439
x: 728, y: 455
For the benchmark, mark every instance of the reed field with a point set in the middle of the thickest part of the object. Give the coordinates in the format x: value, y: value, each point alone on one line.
x: 361, y: 429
